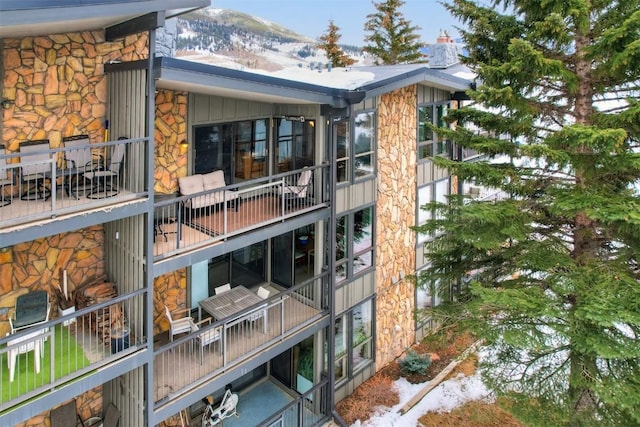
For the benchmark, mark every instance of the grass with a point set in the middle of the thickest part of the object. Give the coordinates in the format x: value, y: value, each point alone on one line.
x: 471, y: 414
x: 69, y: 357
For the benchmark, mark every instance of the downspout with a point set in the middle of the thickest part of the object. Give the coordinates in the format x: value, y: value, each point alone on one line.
x: 150, y: 131
x: 333, y: 149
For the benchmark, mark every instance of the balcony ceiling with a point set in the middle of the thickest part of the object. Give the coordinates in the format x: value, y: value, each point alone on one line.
x: 24, y: 18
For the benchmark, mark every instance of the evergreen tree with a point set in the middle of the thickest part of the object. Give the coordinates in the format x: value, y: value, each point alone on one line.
x: 391, y: 38
x: 334, y: 52
x: 555, y: 265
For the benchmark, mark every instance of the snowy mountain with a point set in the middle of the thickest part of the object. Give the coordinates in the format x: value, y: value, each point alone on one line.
x: 236, y: 40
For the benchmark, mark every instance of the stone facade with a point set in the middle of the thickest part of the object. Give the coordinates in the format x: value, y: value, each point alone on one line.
x: 170, y: 131
x: 170, y: 163
x: 395, y: 211
x: 58, y: 85
x: 88, y: 405
x: 170, y: 289
x: 37, y: 265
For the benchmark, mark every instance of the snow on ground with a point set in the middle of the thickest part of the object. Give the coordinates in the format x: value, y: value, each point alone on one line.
x: 445, y: 397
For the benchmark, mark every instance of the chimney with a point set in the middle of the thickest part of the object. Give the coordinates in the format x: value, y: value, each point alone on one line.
x: 444, y: 52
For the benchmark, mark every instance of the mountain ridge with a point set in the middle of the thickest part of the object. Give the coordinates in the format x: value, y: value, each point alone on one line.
x: 238, y: 40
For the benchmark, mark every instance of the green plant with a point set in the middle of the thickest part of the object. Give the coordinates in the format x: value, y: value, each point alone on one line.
x: 414, y: 363
x: 305, y: 367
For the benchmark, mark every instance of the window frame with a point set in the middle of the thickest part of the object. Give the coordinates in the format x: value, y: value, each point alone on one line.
x: 351, y: 156
x: 372, y: 147
x: 427, y: 148
x: 346, y: 357
x: 348, y: 261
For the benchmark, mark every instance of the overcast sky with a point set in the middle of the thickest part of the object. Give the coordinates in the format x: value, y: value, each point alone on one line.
x: 311, y: 17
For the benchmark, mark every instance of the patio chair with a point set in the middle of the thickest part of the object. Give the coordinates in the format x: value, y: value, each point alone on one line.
x: 65, y: 415
x: 208, y: 337
x: 35, y: 172
x: 111, y: 417
x: 78, y: 161
x: 222, y: 289
x: 32, y: 308
x: 6, y: 179
x: 181, y: 325
x: 22, y: 345
x: 263, y: 292
x: 297, y: 195
x: 106, y: 182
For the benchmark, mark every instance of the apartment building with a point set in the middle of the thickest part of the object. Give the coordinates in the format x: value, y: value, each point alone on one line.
x: 171, y: 229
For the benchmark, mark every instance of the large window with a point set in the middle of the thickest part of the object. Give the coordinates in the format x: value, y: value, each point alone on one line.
x: 342, y: 156
x: 243, y: 149
x: 356, y: 144
x: 353, y: 340
x: 295, y: 142
x: 251, y: 146
x: 429, y: 144
x: 364, y: 139
x: 354, y: 243
x: 426, y: 298
x: 437, y: 191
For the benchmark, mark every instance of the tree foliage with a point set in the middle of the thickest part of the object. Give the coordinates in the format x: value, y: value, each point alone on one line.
x: 391, y: 38
x: 334, y: 52
x: 552, y: 268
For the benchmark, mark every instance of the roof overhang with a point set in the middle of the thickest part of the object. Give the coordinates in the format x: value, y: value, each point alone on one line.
x: 194, y: 77
x: 23, y: 18
x: 424, y: 76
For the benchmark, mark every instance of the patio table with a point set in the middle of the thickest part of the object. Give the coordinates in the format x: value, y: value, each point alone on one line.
x: 228, y: 303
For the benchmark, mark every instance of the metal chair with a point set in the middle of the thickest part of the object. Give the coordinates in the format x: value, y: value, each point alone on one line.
x: 35, y: 171
x: 6, y: 179
x: 106, y: 182
x: 297, y: 195
x: 181, y: 325
x: 65, y: 415
x: 78, y: 161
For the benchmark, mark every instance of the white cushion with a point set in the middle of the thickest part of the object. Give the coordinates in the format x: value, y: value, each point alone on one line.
x: 213, y: 180
x: 191, y: 184
x: 212, y: 199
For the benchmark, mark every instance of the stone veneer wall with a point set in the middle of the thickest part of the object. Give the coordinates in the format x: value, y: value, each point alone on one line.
x: 395, y: 212
x: 170, y: 163
x: 37, y: 264
x: 169, y: 289
x: 88, y: 405
x: 59, y: 86
x: 170, y: 160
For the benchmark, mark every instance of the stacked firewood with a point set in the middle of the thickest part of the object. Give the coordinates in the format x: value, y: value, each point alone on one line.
x: 104, y: 320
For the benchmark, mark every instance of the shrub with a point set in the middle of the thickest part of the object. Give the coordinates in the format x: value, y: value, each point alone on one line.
x: 414, y: 363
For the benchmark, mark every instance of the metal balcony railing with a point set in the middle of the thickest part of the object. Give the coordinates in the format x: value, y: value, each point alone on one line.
x: 42, y: 358
x: 49, y: 183
x: 308, y: 410
x: 237, y: 209
x: 241, y: 337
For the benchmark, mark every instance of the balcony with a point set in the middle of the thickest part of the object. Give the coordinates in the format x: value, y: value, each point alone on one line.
x: 48, y: 183
x: 287, y: 313
x: 243, y: 207
x: 51, y: 355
